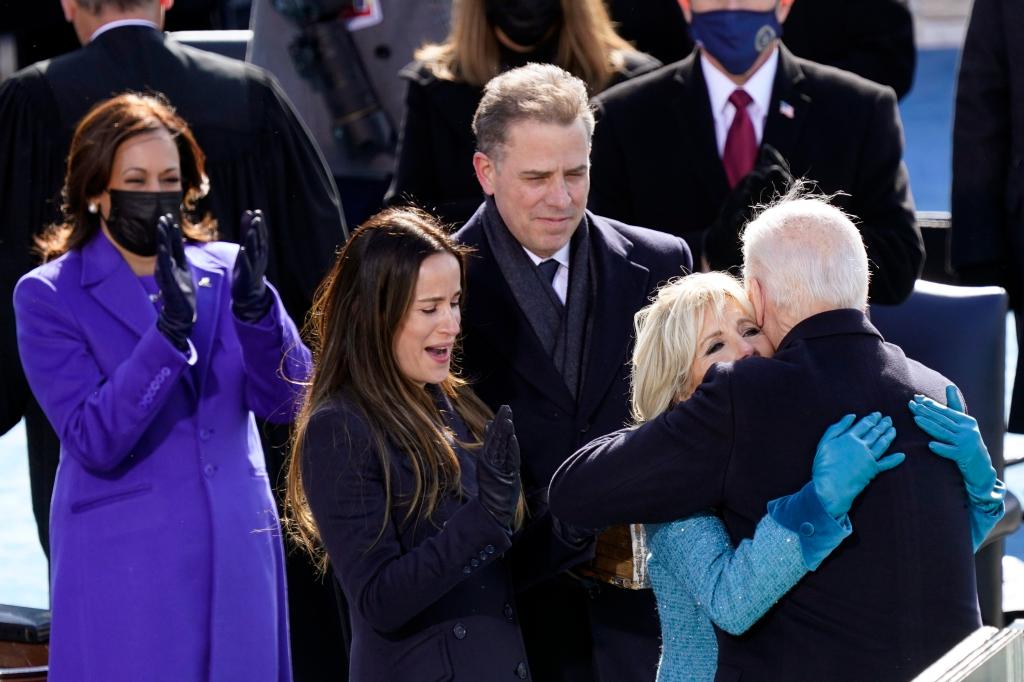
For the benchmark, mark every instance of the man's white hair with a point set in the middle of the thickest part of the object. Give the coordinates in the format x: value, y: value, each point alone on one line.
x: 807, y: 254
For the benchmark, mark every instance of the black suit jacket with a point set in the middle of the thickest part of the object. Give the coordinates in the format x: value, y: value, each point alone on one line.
x: 988, y: 160
x: 607, y: 633
x: 655, y: 160
x: 891, y: 599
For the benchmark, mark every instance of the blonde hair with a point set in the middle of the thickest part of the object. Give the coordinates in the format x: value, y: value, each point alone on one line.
x: 588, y: 46
x: 667, y: 333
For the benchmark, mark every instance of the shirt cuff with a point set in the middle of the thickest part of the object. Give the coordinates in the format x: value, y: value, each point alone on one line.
x: 819, y: 532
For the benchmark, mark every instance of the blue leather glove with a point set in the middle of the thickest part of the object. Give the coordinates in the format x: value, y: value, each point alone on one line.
x: 957, y: 438
x: 848, y: 458
x: 174, y: 277
x: 250, y: 297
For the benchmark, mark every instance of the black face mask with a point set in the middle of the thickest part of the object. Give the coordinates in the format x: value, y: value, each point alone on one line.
x: 525, y: 22
x: 133, y: 216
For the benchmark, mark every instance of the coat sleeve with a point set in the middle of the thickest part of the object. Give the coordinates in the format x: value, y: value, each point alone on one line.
x: 734, y: 587
x: 668, y: 468
x: 882, y: 202
x: 98, y: 418
x: 981, y: 248
x: 386, y: 583
x: 304, y: 210
x: 277, y: 363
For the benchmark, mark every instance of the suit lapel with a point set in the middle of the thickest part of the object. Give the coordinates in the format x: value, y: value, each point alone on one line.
x: 788, y: 108
x: 692, y: 110
x: 109, y: 279
x: 209, y: 278
x: 504, y: 328
x: 621, y: 289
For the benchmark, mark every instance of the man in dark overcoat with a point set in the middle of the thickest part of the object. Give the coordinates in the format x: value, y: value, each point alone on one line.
x: 898, y: 593
x: 547, y: 325
x: 258, y: 155
x: 689, y: 148
x: 988, y: 163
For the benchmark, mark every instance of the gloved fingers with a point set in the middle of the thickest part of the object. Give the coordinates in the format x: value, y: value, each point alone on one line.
x: 862, y: 427
x: 837, y: 429
x: 928, y: 407
x: 176, y: 241
x: 879, y: 445
x: 953, y: 398
x: 513, y: 461
x: 945, y: 450
x: 243, y: 268
x: 891, y: 462
x: 935, y: 429
x: 769, y: 155
x: 883, y: 425
x: 163, y: 276
x: 245, y: 224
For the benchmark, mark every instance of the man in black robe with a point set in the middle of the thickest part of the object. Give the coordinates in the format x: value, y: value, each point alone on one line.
x: 259, y: 155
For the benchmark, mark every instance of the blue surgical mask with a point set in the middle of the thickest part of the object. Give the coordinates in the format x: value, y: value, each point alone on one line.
x: 736, y: 38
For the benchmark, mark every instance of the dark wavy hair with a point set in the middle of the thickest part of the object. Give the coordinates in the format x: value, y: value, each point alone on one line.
x: 99, y: 135
x: 351, y: 329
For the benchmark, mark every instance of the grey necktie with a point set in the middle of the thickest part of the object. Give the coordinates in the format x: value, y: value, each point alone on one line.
x: 548, y: 268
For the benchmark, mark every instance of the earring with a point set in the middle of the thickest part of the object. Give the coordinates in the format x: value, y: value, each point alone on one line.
x: 93, y: 207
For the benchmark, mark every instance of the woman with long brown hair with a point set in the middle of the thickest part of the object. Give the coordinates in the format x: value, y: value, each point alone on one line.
x: 149, y: 356
x: 434, y: 167
x: 395, y: 471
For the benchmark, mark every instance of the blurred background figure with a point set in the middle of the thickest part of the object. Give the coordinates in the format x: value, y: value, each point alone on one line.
x: 487, y: 37
x: 333, y: 60
x: 150, y: 358
x: 988, y: 163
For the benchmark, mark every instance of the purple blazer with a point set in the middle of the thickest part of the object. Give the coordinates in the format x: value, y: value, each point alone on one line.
x: 166, y: 550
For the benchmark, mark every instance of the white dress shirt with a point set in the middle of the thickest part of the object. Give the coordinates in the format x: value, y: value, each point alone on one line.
x: 118, y: 24
x: 759, y: 87
x: 561, y: 280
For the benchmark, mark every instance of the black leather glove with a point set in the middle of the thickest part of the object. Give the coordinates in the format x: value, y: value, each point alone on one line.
x: 177, y: 289
x: 574, y: 536
x: 771, y: 177
x: 250, y: 297
x: 497, y: 468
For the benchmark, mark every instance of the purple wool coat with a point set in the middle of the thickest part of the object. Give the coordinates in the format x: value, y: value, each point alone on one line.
x: 166, y: 550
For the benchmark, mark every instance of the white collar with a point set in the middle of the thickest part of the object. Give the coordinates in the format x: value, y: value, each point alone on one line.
x: 118, y: 24
x: 758, y: 86
x: 562, y: 255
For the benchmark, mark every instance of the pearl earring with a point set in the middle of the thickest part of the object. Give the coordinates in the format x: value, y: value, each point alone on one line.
x: 93, y: 207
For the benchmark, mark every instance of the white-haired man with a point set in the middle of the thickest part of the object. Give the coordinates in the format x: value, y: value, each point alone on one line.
x: 901, y: 592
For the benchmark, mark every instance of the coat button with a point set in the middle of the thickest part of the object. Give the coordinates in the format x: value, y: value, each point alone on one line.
x: 584, y: 427
x: 489, y: 549
x: 521, y: 671
x: 205, y: 434
x: 474, y: 562
x: 508, y: 612
x: 459, y: 631
x: 209, y: 470
x: 467, y: 570
x: 483, y: 555
x: 806, y: 529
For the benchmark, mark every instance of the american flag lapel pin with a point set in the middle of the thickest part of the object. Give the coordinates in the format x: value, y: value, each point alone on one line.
x: 786, y: 109
x: 204, y: 282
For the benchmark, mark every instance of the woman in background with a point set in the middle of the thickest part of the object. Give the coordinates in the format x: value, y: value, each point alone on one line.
x: 149, y: 356
x: 435, y: 153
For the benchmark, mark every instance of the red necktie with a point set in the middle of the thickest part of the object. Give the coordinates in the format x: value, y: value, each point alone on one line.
x: 740, y: 142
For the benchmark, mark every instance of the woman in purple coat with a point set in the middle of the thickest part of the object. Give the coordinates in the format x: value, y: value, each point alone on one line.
x: 150, y: 356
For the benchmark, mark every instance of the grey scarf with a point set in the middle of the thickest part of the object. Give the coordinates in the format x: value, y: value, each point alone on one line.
x: 561, y: 330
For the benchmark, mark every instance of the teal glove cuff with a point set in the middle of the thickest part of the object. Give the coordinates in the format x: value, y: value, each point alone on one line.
x: 804, y: 514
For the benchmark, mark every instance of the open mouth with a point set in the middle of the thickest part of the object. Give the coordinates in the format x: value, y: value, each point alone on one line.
x: 440, y: 353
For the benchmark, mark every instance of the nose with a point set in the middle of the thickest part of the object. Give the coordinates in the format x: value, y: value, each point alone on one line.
x: 746, y: 349
x: 558, y: 193
x: 452, y: 322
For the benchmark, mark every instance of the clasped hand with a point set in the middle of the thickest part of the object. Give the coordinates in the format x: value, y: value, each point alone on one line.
x: 497, y: 469
x: 849, y: 457
x: 174, y: 278
x: 250, y: 297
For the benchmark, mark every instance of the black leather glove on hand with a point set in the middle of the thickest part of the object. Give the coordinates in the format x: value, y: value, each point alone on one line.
x: 771, y: 177
x: 574, y: 536
x: 250, y: 297
x: 177, y: 289
x: 497, y: 468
